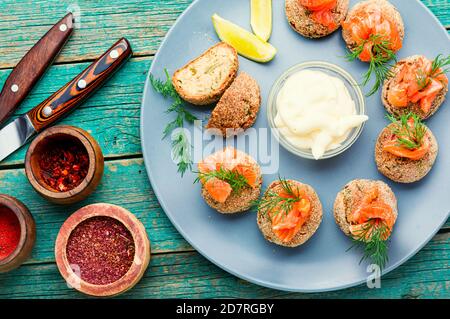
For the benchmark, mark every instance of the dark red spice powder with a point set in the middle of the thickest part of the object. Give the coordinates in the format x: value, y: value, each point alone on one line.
x: 64, y: 165
x: 9, y: 232
x: 100, y: 250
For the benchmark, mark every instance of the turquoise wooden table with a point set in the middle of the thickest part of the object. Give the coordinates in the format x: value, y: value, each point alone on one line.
x: 112, y: 117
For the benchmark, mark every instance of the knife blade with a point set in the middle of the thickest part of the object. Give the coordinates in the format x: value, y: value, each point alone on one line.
x: 20, y: 131
x: 15, y: 134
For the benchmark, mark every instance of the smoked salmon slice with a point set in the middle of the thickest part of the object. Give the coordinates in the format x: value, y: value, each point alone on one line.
x: 325, y: 18
x: 287, y: 225
x: 218, y: 189
x: 318, y: 5
x: 249, y: 174
x: 321, y: 11
x: 415, y: 155
x: 373, y: 210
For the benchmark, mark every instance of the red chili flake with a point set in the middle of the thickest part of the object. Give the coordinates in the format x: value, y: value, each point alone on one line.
x: 9, y: 232
x: 100, y: 250
x: 64, y: 166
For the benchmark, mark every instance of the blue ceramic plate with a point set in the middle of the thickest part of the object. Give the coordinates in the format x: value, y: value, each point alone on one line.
x: 235, y: 243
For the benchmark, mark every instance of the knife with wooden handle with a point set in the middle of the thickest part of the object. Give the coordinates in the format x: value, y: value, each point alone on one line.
x: 33, y: 65
x: 19, y: 132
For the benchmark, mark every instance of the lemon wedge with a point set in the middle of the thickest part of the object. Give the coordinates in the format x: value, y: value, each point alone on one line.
x: 261, y: 18
x: 246, y: 43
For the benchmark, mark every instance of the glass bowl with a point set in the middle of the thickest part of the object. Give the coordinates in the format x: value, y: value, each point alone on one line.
x: 330, y: 69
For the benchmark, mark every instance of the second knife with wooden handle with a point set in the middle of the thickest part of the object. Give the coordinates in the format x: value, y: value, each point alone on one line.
x: 17, y: 133
x: 33, y: 65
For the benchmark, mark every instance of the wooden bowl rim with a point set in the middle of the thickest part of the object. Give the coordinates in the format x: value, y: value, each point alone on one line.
x: 137, y: 268
x: 84, y: 138
x: 19, y: 209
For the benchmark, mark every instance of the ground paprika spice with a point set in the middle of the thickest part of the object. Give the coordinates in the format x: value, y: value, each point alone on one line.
x: 100, y: 250
x: 9, y: 232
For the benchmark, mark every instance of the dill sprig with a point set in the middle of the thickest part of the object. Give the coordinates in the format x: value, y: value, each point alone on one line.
x: 372, y: 238
x: 273, y: 203
x: 181, y: 146
x: 423, y: 80
x: 236, y: 180
x: 379, y: 64
x: 409, y: 134
x: 181, y: 150
x: 440, y: 65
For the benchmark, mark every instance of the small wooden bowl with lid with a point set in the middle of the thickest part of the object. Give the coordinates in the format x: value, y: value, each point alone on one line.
x: 102, y: 250
x: 17, y: 233
x: 47, y: 154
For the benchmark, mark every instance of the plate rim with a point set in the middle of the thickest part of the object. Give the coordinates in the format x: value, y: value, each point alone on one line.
x: 249, y: 278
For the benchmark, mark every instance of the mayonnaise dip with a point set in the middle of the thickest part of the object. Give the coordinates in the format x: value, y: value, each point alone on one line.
x: 315, y: 111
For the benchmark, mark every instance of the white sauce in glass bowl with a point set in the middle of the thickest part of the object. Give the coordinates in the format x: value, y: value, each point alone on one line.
x: 315, y: 111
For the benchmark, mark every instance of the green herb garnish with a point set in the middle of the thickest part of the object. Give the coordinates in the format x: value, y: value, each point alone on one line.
x: 410, y: 134
x: 439, y: 63
x: 380, y: 56
x: 273, y: 203
x: 236, y: 180
x: 181, y: 147
x: 423, y: 80
x: 437, y: 68
x: 372, y: 238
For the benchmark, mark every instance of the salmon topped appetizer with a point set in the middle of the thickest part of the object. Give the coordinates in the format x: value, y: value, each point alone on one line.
x: 231, y: 180
x: 374, y: 32
x: 289, y: 213
x: 406, y: 149
x: 417, y: 85
x: 316, y: 18
x: 366, y: 211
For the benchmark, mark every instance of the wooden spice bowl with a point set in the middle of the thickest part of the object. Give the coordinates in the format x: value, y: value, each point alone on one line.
x: 67, y: 135
x: 136, y: 270
x: 27, y: 230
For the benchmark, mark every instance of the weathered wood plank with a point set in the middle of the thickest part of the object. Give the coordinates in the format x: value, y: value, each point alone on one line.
x: 188, y: 275
x: 124, y: 183
x: 441, y: 8
x: 145, y: 23
x: 111, y: 115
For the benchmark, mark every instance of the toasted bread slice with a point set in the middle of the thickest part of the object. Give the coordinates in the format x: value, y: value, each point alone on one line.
x: 386, y: 7
x: 349, y: 197
x: 238, y: 107
x: 412, y: 107
x: 308, y: 229
x: 300, y: 19
x: 404, y: 170
x: 204, y: 80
